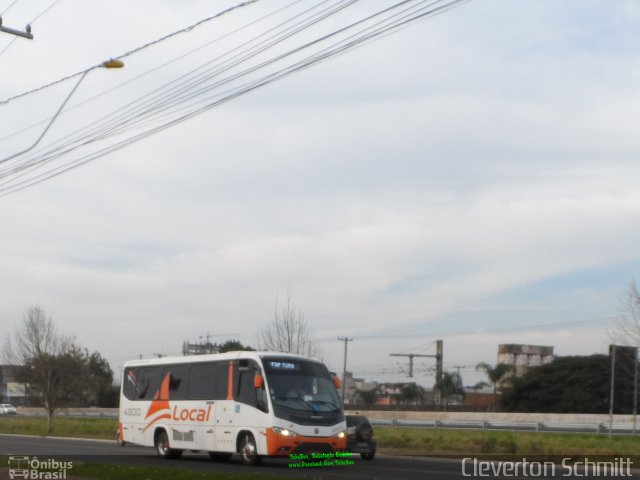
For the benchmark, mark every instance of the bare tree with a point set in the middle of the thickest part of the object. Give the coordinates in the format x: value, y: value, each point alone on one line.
x: 289, y: 332
x: 626, y: 330
x: 48, y: 362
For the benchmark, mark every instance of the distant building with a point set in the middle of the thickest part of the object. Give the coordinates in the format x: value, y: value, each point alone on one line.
x: 10, y: 390
x: 388, y: 393
x: 353, y: 385
x: 478, y: 398
x: 199, y: 348
x: 522, y: 357
x: 349, y: 385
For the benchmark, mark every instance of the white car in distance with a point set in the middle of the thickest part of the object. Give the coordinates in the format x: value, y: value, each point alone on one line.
x: 7, y: 409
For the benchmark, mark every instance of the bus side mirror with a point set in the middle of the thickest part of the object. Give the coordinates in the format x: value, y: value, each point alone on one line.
x: 336, y: 381
x: 258, y: 381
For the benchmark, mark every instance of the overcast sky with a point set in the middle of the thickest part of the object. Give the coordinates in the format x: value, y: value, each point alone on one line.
x: 472, y: 177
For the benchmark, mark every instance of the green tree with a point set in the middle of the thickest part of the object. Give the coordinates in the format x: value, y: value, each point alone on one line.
x: 449, y: 385
x: 234, y: 346
x: 56, y: 380
x: 496, y: 376
x: 54, y: 368
x: 412, y: 393
x: 578, y: 384
x: 101, y: 388
x: 368, y: 397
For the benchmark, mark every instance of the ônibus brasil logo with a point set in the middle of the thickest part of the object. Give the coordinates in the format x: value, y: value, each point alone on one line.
x: 35, y: 469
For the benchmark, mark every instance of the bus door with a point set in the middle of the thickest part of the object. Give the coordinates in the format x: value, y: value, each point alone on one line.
x: 208, y: 383
x: 225, y: 428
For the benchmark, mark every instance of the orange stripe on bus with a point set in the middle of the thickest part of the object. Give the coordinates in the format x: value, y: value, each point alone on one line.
x: 160, y: 417
x: 279, y: 445
x: 160, y: 399
x: 230, y: 384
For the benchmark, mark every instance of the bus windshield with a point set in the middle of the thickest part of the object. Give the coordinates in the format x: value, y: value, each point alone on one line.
x: 301, y: 388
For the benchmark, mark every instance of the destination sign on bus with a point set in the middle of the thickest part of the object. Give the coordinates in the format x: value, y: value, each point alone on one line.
x: 283, y: 365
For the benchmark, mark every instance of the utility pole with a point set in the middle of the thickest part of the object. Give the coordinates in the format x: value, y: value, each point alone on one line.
x: 438, y: 356
x: 612, y: 357
x: 439, y: 370
x: 19, y: 33
x: 344, y: 366
x: 411, y: 356
x: 635, y: 390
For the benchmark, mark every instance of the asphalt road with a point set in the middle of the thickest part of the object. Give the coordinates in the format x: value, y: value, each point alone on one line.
x: 381, y: 468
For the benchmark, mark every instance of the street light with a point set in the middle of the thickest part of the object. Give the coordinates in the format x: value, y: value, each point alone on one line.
x: 19, y: 33
x: 111, y: 63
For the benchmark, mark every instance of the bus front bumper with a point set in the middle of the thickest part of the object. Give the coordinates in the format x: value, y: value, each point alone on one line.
x: 280, y: 445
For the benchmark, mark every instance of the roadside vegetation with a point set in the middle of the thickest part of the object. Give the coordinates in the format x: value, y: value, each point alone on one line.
x: 422, y: 441
x: 103, y: 428
x: 391, y: 440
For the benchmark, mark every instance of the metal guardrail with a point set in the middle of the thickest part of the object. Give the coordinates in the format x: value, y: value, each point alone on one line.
x: 617, y: 428
x: 71, y: 414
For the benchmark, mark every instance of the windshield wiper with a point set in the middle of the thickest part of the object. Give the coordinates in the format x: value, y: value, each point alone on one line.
x: 329, y: 404
x: 299, y: 400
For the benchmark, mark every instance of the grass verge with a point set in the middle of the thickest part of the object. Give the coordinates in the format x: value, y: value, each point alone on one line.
x: 422, y: 441
x: 392, y: 440
x: 104, y: 428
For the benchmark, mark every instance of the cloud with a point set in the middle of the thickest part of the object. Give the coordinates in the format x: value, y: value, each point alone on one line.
x: 420, y: 183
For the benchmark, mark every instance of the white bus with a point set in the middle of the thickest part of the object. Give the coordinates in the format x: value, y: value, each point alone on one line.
x: 252, y: 403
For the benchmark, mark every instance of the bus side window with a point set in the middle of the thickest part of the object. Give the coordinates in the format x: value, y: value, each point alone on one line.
x: 178, y: 376
x: 261, y: 399
x: 244, y: 373
x: 208, y: 381
x: 148, y: 382
x: 130, y: 386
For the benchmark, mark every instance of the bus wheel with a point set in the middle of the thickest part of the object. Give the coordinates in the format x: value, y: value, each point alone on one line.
x: 219, y: 457
x: 249, y: 450
x: 163, y: 448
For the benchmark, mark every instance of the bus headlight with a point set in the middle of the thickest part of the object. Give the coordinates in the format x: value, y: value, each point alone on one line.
x: 284, y: 432
x: 341, y: 434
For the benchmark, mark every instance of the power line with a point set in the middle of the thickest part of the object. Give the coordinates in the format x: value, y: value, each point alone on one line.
x: 131, y: 52
x: 182, y: 101
x: 154, y: 69
x: 69, y: 95
x: 10, y: 5
x: 53, y: 4
x: 28, y: 29
x: 8, y: 45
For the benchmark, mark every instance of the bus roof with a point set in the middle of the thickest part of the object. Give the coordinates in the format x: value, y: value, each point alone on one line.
x: 214, y: 356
